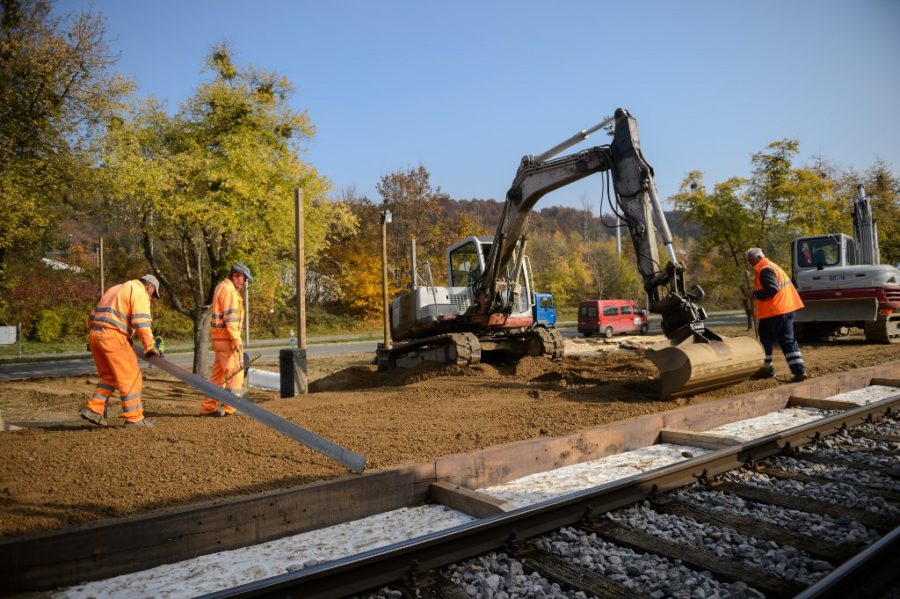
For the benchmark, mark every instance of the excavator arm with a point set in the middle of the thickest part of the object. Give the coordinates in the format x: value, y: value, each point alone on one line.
x: 694, y: 358
x: 638, y: 203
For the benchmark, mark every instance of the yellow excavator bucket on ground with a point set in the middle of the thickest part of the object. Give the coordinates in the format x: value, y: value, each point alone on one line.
x: 704, y: 361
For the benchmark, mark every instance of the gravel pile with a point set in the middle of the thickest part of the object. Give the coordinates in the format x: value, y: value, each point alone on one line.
x: 826, y: 528
x: 837, y: 473
x: 495, y: 576
x: 647, y: 574
x: 786, y: 562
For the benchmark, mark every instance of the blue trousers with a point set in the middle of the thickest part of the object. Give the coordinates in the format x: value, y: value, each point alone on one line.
x: 781, y: 329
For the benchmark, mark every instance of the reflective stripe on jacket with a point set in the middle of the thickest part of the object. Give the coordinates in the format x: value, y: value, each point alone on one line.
x: 785, y: 300
x: 125, y: 308
x: 227, y: 312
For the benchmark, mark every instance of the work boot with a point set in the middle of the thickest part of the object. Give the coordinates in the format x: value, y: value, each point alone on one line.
x: 219, y: 412
x: 93, y: 417
x: 142, y: 423
x: 765, y: 372
x: 800, y: 377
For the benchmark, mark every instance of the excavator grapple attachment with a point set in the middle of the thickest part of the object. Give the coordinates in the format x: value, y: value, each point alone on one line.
x: 704, y: 361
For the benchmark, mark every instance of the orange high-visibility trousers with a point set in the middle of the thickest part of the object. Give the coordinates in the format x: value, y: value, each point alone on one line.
x: 118, y: 369
x: 228, y: 364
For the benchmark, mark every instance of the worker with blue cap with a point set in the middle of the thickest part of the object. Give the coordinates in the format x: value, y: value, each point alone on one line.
x: 225, y: 332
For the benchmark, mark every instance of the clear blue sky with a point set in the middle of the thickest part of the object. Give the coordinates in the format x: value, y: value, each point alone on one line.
x: 466, y: 88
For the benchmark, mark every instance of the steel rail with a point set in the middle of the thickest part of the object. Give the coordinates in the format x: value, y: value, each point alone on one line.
x: 378, y: 567
x: 863, y: 575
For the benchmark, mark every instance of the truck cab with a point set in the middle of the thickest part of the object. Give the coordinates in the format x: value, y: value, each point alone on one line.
x: 611, y: 317
x: 544, y: 310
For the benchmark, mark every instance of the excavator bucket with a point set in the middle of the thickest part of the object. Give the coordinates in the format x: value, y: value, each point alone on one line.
x: 704, y: 361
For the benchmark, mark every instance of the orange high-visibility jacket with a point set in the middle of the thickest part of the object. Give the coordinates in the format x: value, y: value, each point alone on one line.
x: 786, y: 300
x: 227, y: 313
x: 125, y: 308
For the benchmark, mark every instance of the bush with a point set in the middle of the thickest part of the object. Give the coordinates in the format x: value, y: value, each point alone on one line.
x: 48, y: 326
x: 74, y: 321
x: 171, y: 324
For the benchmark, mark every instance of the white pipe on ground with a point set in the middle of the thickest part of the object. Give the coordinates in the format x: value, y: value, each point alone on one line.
x: 263, y: 379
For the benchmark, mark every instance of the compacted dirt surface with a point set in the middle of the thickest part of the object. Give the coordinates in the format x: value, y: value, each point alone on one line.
x: 67, y: 471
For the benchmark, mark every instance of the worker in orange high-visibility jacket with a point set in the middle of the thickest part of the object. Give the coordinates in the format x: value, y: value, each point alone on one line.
x: 775, y: 301
x: 123, y: 311
x: 225, y: 331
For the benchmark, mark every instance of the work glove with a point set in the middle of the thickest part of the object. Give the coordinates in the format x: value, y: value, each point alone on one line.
x: 159, y: 346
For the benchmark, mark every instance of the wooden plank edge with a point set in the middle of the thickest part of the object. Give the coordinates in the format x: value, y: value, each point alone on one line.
x: 468, y: 501
x: 697, y: 439
x: 796, y: 401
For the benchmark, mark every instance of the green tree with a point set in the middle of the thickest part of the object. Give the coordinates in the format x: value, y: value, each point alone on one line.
x: 214, y: 183
x: 416, y: 213
x: 56, y: 97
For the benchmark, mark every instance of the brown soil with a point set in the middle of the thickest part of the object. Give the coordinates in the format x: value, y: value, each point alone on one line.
x: 79, y: 473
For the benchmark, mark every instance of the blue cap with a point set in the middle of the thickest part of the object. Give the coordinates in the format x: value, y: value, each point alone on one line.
x: 243, y: 269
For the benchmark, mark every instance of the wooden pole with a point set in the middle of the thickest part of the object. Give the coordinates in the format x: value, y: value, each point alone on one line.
x: 301, y: 273
x: 102, y: 277
x: 300, y: 368
x: 246, y: 314
x: 385, y: 218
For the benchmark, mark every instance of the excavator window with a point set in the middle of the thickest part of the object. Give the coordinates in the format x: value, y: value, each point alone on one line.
x: 464, y: 267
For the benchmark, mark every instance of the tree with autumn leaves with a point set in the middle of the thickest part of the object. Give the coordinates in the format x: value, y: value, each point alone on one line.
x: 778, y: 202
x: 214, y: 184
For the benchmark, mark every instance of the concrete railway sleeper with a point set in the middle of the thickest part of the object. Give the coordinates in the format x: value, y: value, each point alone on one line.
x: 601, y: 539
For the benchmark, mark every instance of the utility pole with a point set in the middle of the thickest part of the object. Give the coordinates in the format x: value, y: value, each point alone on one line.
x: 292, y: 362
x: 385, y: 219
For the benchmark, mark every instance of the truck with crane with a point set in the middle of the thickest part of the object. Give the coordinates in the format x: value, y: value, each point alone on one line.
x: 485, y: 308
x: 844, y: 285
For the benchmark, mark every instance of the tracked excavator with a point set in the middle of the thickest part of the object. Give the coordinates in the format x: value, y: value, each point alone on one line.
x: 486, y: 305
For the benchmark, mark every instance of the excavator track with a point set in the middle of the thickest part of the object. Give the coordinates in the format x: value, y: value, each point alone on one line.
x: 551, y: 342
x: 461, y: 349
x: 885, y: 329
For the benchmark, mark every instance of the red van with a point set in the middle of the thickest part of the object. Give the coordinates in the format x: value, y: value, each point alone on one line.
x: 611, y: 317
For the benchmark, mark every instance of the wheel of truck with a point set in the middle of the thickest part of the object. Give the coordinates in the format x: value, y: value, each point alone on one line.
x: 588, y: 333
x: 608, y: 332
x: 645, y: 328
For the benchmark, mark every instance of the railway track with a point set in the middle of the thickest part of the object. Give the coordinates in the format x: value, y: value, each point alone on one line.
x: 795, y: 513
x: 500, y: 536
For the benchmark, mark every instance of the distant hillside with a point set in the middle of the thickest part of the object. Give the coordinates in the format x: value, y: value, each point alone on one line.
x: 486, y: 214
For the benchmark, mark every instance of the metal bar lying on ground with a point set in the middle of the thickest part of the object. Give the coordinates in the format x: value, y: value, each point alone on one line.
x: 354, y: 462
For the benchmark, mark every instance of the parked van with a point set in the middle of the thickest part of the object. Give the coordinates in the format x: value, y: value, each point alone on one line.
x: 611, y: 317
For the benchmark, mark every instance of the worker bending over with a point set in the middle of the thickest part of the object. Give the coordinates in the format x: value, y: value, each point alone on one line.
x: 776, y: 300
x: 225, y: 331
x: 123, y: 311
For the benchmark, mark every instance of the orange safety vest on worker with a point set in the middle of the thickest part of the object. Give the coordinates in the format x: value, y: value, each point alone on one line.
x: 785, y: 300
x: 227, y: 312
x: 225, y: 332
x: 123, y: 311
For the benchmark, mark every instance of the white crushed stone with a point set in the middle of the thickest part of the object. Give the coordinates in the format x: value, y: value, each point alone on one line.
x: 767, y: 424
x: 866, y: 395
